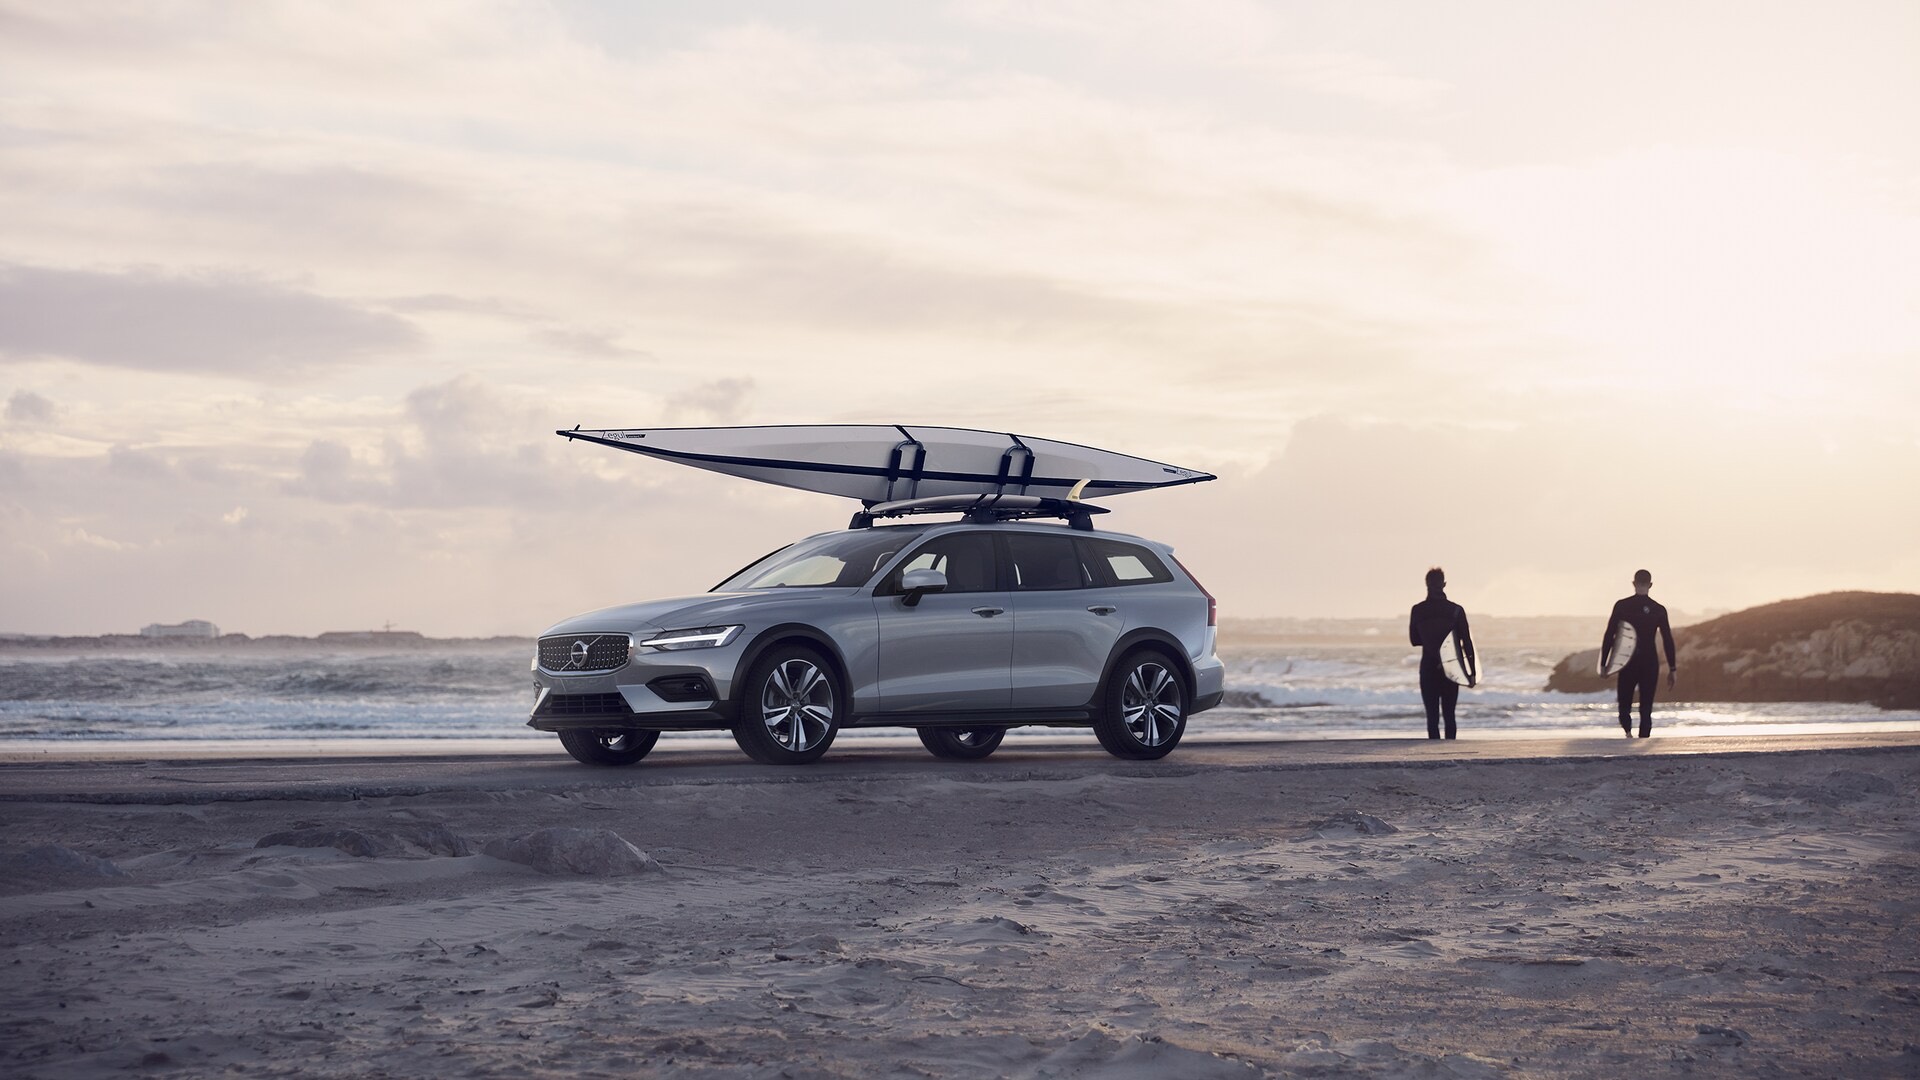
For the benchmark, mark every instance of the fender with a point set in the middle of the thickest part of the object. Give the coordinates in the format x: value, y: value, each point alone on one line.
x: 1183, y: 666
x: 774, y: 635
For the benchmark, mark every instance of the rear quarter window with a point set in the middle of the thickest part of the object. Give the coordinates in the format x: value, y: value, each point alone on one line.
x: 1129, y: 564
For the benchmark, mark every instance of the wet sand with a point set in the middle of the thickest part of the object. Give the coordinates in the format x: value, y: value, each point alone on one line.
x: 1386, y: 908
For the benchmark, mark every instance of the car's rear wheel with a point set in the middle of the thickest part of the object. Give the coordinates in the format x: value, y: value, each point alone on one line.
x: 791, y: 707
x: 608, y: 747
x: 1144, y: 711
x: 967, y: 744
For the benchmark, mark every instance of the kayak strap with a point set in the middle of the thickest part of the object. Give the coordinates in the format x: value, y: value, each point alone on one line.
x: 905, y: 463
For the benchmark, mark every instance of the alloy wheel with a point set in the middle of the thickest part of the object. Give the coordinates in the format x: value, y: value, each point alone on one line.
x: 1150, y: 704
x: 796, y: 705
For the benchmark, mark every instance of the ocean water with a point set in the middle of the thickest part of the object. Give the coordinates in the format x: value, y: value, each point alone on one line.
x: 482, y: 692
x: 1369, y: 691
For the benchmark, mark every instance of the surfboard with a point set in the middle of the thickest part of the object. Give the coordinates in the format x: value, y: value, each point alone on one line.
x: 1625, y: 637
x: 1455, y: 662
x: 879, y: 463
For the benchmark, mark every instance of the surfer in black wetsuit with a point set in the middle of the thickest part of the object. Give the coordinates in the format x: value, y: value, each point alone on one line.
x: 1433, y: 619
x: 1642, y: 672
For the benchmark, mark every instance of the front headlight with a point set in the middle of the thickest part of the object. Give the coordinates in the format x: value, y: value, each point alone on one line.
x: 705, y: 637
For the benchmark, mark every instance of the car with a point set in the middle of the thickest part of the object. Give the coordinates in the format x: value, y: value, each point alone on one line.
x: 959, y: 629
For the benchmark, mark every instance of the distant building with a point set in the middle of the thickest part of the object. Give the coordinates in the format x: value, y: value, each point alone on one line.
x: 193, y: 628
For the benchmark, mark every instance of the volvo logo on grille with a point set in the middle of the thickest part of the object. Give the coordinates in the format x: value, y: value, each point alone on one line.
x: 579, y: 653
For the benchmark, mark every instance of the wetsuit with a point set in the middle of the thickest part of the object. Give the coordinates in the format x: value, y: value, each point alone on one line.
x: 1642, y: 673
x: 1434, y: 618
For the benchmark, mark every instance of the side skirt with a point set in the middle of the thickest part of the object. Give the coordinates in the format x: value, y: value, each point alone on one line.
x: 1023, y: 718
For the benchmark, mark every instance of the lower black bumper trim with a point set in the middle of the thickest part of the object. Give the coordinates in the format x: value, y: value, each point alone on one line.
x: 691, y: 720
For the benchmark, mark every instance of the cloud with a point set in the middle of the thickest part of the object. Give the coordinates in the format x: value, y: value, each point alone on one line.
x: 721, y: 401
x: 329, y: 473
x: 462, y: 444
x: 1363, y: 78
x: 589, y: 343
x: 1244, y: 36
x: 359, y: 204
x: 454, y: 510
x: 139, y: 465
x: 1212, y: 30
x: 218, y: 324
x: 461, y: 305
x: 84, y: 538
x: 27, y: 407
x: 843, y: 282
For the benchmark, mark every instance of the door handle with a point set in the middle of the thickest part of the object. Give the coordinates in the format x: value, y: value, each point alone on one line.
x: 988, y: 612
x: 1102, y: 609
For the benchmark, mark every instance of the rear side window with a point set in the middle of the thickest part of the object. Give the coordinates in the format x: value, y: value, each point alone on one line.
x: 1046, y: 562
x: 1128, y: 564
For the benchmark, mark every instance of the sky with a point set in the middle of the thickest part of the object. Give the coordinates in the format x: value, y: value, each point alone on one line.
x: 294, y: 295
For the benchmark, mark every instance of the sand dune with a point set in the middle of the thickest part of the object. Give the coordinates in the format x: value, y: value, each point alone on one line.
x: 1740, y: 916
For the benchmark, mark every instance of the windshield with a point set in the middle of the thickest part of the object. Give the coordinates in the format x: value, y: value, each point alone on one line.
x: 843, y: 559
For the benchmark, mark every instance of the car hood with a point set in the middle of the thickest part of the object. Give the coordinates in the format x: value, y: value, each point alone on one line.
x: 687, y: 612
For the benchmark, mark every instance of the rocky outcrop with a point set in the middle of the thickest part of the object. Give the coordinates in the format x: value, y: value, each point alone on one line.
x: 1847, y: 646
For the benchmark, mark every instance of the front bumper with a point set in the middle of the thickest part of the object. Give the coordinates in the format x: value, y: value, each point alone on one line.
x: 683, y: 690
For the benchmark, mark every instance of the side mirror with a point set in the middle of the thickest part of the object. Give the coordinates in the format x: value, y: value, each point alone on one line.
x: 917, y: 583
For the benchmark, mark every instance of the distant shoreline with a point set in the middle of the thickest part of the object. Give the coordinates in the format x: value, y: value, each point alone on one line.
x: 370, y: 639
x: 1234, y: 632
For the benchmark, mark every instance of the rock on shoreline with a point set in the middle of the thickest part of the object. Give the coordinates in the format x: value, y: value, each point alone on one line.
x: 1845, y: 646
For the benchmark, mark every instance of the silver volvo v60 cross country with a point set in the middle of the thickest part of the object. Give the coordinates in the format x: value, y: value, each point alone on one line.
x: 960, y: 630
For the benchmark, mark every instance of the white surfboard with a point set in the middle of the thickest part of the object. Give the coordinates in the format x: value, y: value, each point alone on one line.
x: 1625, y: 637
x: 1455, y: 662
x: 888, y: 463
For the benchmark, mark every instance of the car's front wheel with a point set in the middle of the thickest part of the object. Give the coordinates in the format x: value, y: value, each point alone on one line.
x: 968, y: 744
x: 613, y: 747
x: 791, y: 707
x: 1144, y: 711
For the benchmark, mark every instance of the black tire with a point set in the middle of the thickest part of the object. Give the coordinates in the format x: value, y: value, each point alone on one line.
x: 791, y: 705
x: 1143, y: 713
x: 964, y: 744
x: 608, y: 747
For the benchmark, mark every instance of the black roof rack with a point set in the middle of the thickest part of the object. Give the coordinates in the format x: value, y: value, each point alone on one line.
x: 984, y: 509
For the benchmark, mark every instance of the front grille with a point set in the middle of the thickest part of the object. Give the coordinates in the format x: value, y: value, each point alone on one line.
x: 584, y: 705
x: 584, y: 652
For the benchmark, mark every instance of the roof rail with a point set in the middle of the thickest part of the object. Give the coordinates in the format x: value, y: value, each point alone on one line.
x: 984, y: 509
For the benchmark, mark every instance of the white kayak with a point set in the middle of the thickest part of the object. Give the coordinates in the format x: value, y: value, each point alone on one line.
x: 878, y: 463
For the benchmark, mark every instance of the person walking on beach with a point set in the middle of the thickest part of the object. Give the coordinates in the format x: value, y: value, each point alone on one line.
x: 1642, y: 673
x: 1433, y: 619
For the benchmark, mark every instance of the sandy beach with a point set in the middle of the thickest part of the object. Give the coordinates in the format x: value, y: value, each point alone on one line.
x: 1745, y: 914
